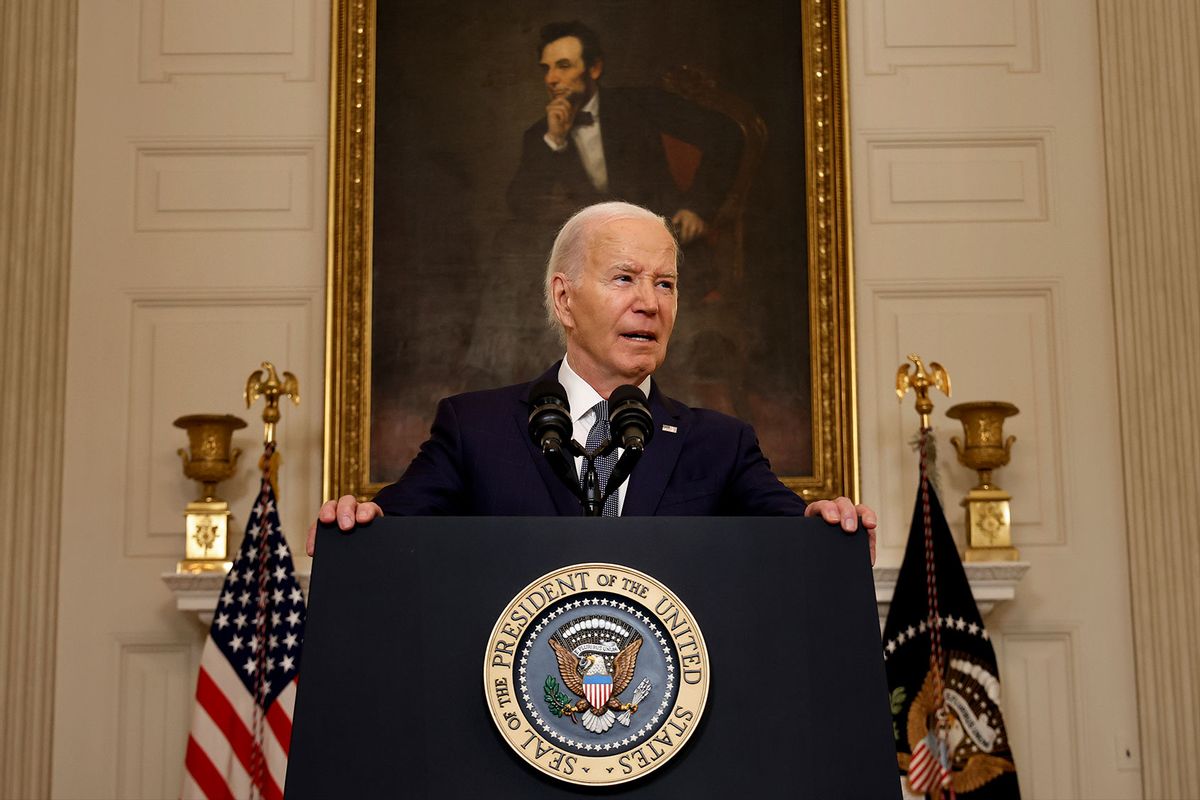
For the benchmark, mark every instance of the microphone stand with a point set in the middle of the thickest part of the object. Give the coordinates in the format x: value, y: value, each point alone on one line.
x: 589, y: 494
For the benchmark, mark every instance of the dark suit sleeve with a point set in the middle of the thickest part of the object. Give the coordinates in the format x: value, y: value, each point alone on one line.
x: 433, y: 484
x: 753, y: 489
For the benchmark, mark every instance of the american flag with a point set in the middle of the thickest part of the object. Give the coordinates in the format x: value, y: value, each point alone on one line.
x: 246, y: 689
x: 930, y: 765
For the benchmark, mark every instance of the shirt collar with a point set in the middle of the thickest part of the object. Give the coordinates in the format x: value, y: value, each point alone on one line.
x: 580, y: 394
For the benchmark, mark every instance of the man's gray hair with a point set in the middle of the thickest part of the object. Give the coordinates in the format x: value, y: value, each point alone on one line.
x: 570, y: 250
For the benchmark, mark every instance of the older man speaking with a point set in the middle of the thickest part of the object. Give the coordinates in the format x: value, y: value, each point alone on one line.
x: 611, y: 288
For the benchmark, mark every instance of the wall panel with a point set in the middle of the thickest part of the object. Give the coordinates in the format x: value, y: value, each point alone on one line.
x: 154, y: 711
x: 228, y: 37
x: 935, y: 33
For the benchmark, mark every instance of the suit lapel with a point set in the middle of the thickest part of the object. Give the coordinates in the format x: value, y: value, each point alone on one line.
x: 565, y: 504
x: 650, y: 476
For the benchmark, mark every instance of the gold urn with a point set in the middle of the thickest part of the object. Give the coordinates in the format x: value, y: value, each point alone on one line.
x: 984, y: 449
x: 209, y: 459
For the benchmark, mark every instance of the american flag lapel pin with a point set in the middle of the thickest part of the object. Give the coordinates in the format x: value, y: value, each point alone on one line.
x: 670, y: 429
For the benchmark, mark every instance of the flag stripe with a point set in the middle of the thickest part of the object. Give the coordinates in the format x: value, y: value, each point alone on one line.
x: 226, y: 679
x: 191, y: 789
x: 280, y: 720
x: 208, y: 779
x: 212, y: 741
x: 223, y: 714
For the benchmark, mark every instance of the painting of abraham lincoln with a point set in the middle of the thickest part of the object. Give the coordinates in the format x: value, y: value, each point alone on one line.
x: 493, y: 122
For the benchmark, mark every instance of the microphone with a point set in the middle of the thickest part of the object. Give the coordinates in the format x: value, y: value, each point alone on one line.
x: 631, y: 425
x: 629, y: 418
x: 550, y: 424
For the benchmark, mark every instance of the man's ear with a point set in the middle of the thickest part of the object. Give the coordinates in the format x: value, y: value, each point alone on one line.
x: 560, y: 291
x: 596, y: 69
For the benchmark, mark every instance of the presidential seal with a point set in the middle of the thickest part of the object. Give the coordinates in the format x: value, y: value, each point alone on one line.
x: 596, y: 674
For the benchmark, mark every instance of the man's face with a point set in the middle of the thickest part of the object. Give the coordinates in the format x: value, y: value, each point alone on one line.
x: 619, y: 317
x: 564, y: 72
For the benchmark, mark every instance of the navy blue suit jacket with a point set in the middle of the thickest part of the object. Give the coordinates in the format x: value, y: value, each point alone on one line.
x: 480, y: 460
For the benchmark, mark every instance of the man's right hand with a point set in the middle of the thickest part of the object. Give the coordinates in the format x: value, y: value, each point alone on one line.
x: 560, y: 117
x: 347, y: 512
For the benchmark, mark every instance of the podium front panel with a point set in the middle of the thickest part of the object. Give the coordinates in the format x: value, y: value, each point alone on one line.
x: 391, y: 696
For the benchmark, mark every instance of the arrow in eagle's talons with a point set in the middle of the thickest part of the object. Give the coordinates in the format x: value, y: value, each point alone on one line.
x: 639, y: 694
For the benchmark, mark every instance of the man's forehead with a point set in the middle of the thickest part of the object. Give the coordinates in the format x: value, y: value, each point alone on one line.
x: 568, y: 47
x: 633, y: 242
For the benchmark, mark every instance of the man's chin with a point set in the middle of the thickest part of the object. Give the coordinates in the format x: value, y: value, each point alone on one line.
x: 637, y: 369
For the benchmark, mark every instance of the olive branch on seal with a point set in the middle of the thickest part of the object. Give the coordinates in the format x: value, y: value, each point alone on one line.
x: 556, y: 700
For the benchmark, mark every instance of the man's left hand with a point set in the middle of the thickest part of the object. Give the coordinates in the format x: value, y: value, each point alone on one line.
x: 843, y: 511
x: 688, y: 225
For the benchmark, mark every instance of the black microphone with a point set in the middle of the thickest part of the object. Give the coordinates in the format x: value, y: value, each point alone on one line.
x: 550, y: 424
x: 629, y: 418
x: 631, y: 425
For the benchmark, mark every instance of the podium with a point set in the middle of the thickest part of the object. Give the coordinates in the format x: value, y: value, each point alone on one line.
x: 391, y: 696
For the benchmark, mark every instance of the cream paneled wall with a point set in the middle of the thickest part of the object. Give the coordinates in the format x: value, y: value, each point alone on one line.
x: 980, y: 236
x: 198, y: 251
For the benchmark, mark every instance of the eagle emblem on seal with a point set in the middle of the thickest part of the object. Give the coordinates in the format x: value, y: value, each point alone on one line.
x: 597, y: 658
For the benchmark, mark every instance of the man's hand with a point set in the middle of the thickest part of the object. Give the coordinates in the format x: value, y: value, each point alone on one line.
x: 689, y: 225
x: 842, y: 510
x: 347, y: 512
x: 560, y: 118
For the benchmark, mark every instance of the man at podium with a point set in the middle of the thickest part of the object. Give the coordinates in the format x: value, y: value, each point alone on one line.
x: 611, y: 290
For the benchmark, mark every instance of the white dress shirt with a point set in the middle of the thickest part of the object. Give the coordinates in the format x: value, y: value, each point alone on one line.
x: 588, y: 144
x: 582, y: 397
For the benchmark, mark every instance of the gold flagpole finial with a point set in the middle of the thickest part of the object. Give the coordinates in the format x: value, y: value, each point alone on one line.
x: 920, y: 382
x: 265, y: 383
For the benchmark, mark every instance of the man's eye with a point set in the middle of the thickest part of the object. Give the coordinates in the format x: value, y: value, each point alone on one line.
x: 624, y: 278
x: 668, y: 285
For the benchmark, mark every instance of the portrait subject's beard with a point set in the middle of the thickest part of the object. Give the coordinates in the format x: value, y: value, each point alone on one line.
x: 579, y: 99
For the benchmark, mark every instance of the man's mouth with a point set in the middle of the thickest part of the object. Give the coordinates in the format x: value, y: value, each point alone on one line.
x: 639, y: 336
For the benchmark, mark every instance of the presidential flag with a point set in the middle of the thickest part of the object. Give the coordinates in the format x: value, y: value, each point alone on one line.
x: 246, y: 690
x: 941, y: 668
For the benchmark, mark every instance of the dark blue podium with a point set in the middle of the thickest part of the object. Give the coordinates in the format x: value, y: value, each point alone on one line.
x: 391, y: 700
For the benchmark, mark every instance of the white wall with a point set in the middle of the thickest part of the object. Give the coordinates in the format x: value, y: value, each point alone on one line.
x: 981, y: 242
x: 198, y: 252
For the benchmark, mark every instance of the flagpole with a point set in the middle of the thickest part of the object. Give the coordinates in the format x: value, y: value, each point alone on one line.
x: 265, y: 383
x: 937, y: 657
x: 921, y: 381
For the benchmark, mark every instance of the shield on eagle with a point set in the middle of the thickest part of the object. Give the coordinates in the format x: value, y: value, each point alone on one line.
x: 597, y: 688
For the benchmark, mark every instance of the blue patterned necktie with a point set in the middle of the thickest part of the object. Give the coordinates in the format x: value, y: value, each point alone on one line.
x: 604, y: 465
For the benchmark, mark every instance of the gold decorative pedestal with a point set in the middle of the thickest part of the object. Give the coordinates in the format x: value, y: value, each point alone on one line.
x: 989, y: 518
x: 211, y: 460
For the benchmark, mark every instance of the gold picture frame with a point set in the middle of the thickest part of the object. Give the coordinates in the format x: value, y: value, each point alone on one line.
x: 350, y: 291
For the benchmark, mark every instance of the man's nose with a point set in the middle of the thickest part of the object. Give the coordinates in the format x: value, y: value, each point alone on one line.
x: 645, y: 301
